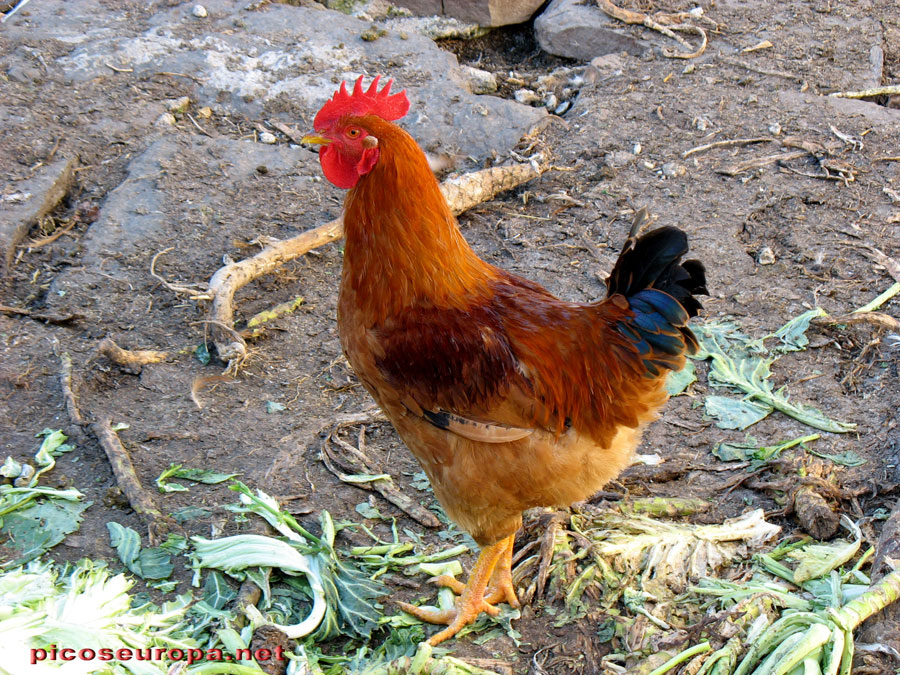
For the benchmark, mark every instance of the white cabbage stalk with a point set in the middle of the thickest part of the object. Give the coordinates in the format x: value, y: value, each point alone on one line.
x: 87, y: 609
x: 233, y: 554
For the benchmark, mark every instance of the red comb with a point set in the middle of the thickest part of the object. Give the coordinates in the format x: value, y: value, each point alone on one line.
x: 369, y: 102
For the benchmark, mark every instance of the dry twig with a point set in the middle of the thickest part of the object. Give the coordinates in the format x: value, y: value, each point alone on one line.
x: 65, y: 382
x: 197, y: 124
x: 195, y: 293
x: 759, y: 162
x: 663, y: 23
x: 760, y: 71
x: 877, y: 319
x: 6, y: 309
x: 287, y: 131
x: 726, y: 144
x: 49, y: 239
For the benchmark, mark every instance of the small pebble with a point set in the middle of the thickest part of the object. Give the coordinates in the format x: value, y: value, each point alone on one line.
x: 766, y: 256
x: 178, y: 104
x: 775, y: 128
x: 619, y: 159
x: 673, y: 170
x: 204, y: 113
x: 199, y: 11
x: 526, y: 96
x: 563, y: 108
x: 165, y: 120
x: 550, y: 101
x: 636, y: 150
x: 267, y: 138
x: 480, y: 81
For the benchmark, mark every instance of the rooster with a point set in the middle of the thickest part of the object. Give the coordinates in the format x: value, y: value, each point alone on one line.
x: 508, y: 397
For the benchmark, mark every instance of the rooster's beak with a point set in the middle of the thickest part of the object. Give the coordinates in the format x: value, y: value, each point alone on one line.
x: 315, y: 139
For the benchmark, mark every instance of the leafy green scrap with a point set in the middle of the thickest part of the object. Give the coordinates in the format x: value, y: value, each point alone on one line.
x: 216, y: 591
x: 678, y: 381
x: 206, y: 476
x: 344, y: 596
x: 792, y: 335
x: 736, y: 365
x: 39, y: 527
x: 82, y: 605
x: 147, y: 563
x: 33, y: 519
x: 734, y: 413
x: 751, y: 450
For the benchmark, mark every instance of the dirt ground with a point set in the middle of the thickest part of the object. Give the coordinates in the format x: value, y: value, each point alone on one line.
x: 808, y: 223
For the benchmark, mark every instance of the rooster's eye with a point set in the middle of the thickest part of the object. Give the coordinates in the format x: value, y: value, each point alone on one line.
x: 353, y: 133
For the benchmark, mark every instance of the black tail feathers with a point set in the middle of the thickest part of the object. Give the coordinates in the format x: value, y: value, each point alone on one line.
x: 661, y: 291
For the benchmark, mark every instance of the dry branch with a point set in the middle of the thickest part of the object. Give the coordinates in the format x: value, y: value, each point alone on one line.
x: 130, y: 361
x: 194, y: 293
x: 760, y: 71
x: 158, y: 525
x: 15, y: 310
x: 462, y: 193
x: 229, y: 279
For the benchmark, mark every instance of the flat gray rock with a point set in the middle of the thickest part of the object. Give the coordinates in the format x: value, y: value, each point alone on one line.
x: 482, y: 12
x: 578, y: 30
x: 23, y: 204
x: 248, y: 61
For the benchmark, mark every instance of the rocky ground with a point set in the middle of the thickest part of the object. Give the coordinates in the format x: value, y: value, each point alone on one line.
x: 143, y: 144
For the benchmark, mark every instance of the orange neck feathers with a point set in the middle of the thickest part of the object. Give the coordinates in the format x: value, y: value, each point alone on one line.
x: 403, y: 247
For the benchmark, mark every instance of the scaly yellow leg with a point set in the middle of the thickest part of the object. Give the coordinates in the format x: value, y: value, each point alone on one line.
x: 494, y: 565
x: 471, y: 601
x: 501, y: 588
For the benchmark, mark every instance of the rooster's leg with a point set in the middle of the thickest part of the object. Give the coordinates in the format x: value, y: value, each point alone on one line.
x: 471, y: 601
x: 501, y: 588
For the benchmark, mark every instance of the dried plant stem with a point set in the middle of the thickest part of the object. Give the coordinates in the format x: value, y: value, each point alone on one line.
x: 872, y: 318
x: 726, y: 144
x: 462, y: 193
x: 353, y: 466
x: 880, y: 300
x: 889, y: 90
x: 759, y: 162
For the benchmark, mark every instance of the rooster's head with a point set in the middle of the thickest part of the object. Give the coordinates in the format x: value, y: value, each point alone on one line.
x: 349, y: 151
